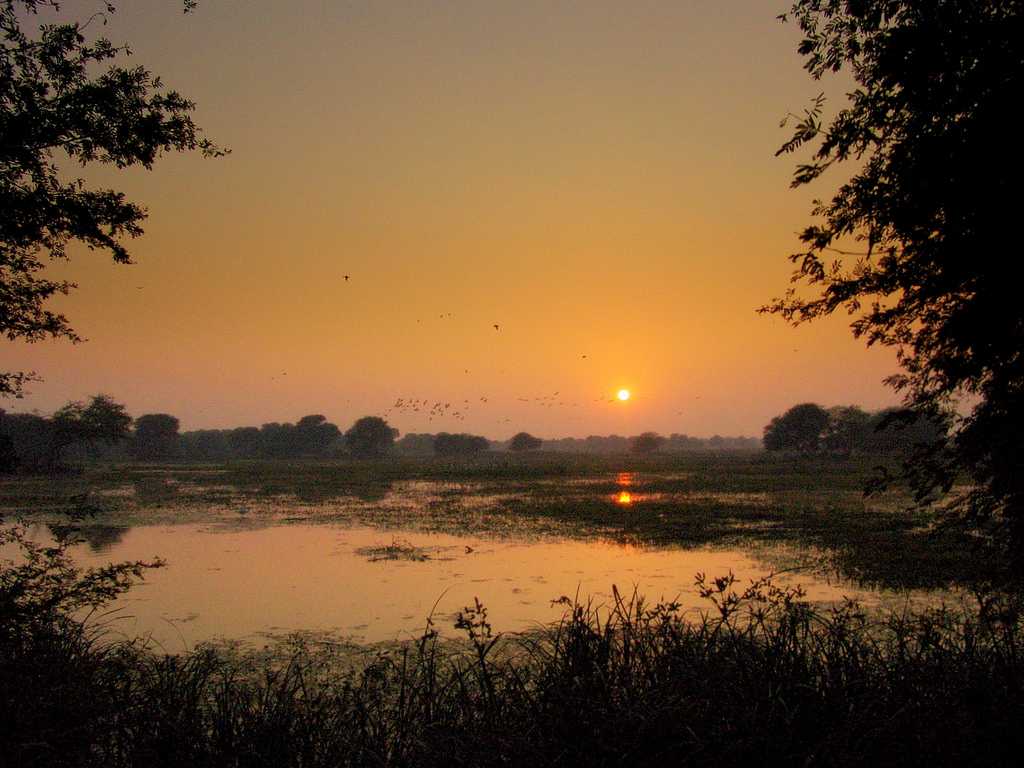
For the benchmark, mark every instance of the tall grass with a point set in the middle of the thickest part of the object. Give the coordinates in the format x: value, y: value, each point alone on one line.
x: 759, y: 677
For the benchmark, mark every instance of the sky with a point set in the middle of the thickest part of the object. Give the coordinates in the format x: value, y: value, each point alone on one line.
x: 595, y: 178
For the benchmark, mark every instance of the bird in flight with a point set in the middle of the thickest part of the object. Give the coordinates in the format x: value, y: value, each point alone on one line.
x: 346, y: 277
x: 496, y: 327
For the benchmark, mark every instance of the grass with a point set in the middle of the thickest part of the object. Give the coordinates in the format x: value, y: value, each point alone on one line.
x: 759, y: 678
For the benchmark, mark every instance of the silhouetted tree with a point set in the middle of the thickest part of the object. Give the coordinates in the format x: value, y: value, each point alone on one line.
x: 799, y: 429
x: 416, y: 444
x: 316, y: 435
x: 205, y: 445
x: 524, y: 441
x: 8, y: 455
x: 156, y: 437
x: 41, y: 443
x: 370, y: 437
x: 101, y: 421
x: 902, y: 431
x: 648, y: 442
x: 56, y: 102
x: 277, y: 440
x: 446, y: 444
x: 244, y: 442
x: 929, y: 208
x: 847, y: 430
x: 31, y: 438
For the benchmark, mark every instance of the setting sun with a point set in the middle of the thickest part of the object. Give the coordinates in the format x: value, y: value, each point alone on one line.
x: 623, y: 394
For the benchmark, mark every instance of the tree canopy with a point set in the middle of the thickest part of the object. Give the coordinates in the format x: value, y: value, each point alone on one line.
x: 66, y: 99
x: 156, y: 437
x: 916, y: 243
x: 798, y: 429
x: 462, y: 444
x: 648, y: 442
x: 370, y: 437
x: 524, y: 441
x: 35, y: 442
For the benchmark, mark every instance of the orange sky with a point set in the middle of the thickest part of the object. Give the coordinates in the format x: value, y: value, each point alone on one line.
x: 597, y: 178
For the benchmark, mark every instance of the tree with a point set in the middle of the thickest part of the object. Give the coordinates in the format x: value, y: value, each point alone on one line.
x: 370, y: 437
x: 416, y: 444
x: 205, y: 445
x: 36, y: 442
x: 316, y: 435
x: 524, y: 441
x: 648, y: 442
x: 156, y: 437
x: 244, y: 442
x: 30, y: 438
x: 101, y: 421
x: 8, y: 453
x: 799, y: 429
x: 902, y: 431
x: 55, y: 105
x: 847, y: 430
x: 446, y: 444
x: 915, y: 243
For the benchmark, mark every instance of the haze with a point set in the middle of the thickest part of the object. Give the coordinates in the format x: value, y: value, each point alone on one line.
x: 595, y: 179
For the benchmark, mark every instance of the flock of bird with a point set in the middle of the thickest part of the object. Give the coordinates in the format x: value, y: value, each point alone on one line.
x: 458, y: 410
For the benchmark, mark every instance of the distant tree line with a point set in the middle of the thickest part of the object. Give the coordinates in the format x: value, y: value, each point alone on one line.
x: 649, y: 442
x: 102, y: 429
x: 849, y: 429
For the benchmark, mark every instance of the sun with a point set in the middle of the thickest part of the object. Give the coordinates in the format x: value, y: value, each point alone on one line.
x: 623, y: 395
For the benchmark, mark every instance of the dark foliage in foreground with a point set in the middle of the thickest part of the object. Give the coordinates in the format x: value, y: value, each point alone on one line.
x: 65, y: 95
x: 761, y: 678
x: 914, y: 244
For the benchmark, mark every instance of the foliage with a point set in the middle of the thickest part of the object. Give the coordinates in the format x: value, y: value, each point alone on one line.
x: 244, y: 442
x: 66, y: 99
x: 648, y: 442
x: 446, y: 444
x: 415, y: 444
x: 847, y: 430
x: 928, y: 211
x: 44, y: 588
x: 370, y: 437
x: 758, y: 677
x: 524, y: 441
x: 156, y: 437
x: 36, y: 442
x: 798, y: 429
x: 316, y: 434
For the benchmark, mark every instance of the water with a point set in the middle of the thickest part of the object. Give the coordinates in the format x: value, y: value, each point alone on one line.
x: 369, y: 585
x: 310, y: 549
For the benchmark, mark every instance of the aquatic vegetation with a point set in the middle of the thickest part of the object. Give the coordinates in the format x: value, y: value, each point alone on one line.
x: 398, y: 549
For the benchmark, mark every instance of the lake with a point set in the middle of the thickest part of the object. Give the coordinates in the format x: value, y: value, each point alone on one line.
x: 312, y: 551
